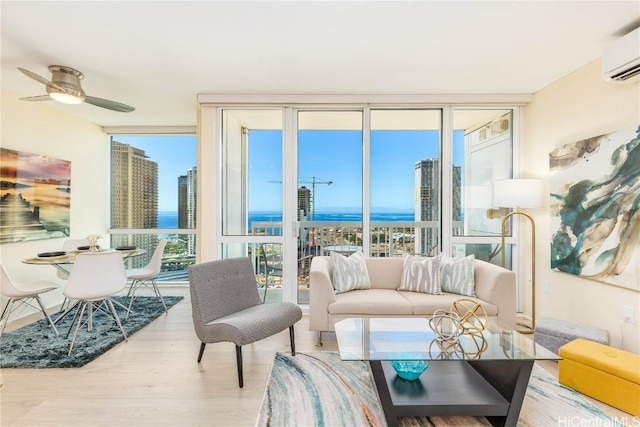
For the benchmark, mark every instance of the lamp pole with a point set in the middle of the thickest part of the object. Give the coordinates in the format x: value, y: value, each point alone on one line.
x: 533, y: 263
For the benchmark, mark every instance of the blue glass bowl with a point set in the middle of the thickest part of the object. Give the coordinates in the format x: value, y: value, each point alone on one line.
x: 409, y: 369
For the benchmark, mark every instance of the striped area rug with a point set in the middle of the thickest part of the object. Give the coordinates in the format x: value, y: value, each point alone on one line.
x: 319, y: 389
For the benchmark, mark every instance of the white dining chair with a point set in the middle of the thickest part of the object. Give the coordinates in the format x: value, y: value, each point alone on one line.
x: 68, y: 246
x: 95, y: 277
x: 23, y: 293
x: 146, y: 276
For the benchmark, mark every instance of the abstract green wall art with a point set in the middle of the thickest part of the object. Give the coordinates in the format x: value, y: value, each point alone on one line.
x: 595, y: 201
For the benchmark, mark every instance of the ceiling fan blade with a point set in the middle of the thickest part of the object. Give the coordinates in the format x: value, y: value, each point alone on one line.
x: 109, y: 105
x: 40, y: 79
x: 37, y: 98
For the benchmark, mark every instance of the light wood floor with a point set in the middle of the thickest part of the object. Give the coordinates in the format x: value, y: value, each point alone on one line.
x: 154, y: 380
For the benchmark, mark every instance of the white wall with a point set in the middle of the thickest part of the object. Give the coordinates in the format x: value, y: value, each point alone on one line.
x: 578, y: 106
x: 38, y: 128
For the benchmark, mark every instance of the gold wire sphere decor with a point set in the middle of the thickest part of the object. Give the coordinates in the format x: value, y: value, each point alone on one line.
x: 446, y: 325
x: 473, y: 317
x: 473, y: 344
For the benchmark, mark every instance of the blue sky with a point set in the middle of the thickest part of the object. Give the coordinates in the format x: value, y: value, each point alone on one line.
x: 334, y: 156
x: 174, y: 155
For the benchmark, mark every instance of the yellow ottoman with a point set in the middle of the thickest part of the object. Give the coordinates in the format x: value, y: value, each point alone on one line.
x: 607, y: 374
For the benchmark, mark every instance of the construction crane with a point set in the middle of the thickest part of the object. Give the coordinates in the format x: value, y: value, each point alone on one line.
x: 313, y: 181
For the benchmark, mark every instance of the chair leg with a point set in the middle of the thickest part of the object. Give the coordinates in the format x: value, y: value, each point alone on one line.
x: 75, y: 334
x: 159, y: 295
x: 292, y: 338
x: 131, y: 295
x: 44, y: 310
x: 319, y: 339
x: 266, y: 285
x: 7, y: 312
x: 80, y: 309
x: 201, y: 352
x: 239, y: 363
x: 115, y: 317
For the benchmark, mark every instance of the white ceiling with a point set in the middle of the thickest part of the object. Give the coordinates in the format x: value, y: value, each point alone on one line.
x: 158, y: 55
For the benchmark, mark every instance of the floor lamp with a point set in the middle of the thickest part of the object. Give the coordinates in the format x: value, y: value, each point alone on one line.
x: 517, y: 194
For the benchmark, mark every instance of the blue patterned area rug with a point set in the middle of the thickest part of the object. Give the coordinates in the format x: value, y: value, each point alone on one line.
x: 319, y: 389
x: 37, y: 346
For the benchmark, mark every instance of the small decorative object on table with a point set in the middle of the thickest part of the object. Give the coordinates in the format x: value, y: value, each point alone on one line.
x: 409, y: 369
x: 93, y: 241
x: 473, y: 316
x: 446, y: 325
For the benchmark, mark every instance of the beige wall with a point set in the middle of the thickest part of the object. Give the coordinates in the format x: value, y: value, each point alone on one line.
x: 578, y: 106
x: 38, y: 128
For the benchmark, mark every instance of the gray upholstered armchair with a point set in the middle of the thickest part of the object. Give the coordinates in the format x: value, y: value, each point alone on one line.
x: 226, y: 307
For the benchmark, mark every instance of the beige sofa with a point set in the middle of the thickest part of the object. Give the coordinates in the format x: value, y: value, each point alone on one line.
x: 495, y: 288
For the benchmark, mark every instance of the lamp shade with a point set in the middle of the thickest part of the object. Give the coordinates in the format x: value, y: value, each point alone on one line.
x: 518, y: 193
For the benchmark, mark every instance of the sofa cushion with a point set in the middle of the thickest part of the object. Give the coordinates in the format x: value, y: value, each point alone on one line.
x: 384, y: 272
x: 349, y: 273
x: 420, y: 274
x: 371, y: 302
x: 457, y: 275
x: 425, y: 304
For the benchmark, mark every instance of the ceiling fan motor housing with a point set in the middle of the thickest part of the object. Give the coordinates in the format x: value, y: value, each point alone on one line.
x: 66, y: 78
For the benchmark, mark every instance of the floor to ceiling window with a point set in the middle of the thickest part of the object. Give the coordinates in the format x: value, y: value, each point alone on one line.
x: 482, y: 153
x: 405, y: 181
x: 251, y: 208
x: 329, y: 184
x: 297, y: 181
x: 483, y: 146
x: 154, y: 196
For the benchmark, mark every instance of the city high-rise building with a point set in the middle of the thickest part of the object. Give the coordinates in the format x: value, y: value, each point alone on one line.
x: 192, y: 203
x: 182, y: 201
x: 134, y: 196
x: 304, y: 202
x: 456, y: 202
x: 427, y: 204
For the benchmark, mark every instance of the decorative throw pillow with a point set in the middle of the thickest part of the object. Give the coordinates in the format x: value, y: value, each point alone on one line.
x: 456, y: 275
x: 421, y: 274
x: 349, y: 273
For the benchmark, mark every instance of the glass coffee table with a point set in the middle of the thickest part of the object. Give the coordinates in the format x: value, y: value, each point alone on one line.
x: 484, y: 374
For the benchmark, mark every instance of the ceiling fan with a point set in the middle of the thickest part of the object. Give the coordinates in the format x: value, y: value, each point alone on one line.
x: 65, y: 87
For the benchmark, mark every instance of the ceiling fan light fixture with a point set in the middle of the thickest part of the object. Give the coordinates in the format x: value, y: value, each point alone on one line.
x: 66, y: 92
x: 65, y: 98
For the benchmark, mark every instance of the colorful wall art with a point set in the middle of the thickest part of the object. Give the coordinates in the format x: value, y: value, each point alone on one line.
x: 595, y: 201
x: 34, y: 197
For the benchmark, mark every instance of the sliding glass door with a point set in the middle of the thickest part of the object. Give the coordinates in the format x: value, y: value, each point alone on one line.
x: 329, y: 187
x: 251, y: 204
x: 405, y: 183
x: 296, y: 182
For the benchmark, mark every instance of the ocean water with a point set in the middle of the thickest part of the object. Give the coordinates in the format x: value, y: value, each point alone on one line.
x: 168, y: 219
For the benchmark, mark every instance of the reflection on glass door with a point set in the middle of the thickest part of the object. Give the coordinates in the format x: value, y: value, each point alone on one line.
x: 251, y: 208
x: 330, y: 194
x: 482, y: 152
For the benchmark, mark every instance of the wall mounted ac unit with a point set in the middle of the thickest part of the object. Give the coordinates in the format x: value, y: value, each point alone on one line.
x: 621, y: 59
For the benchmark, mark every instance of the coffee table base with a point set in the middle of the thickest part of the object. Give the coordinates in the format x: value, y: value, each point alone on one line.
x: 494, y: 389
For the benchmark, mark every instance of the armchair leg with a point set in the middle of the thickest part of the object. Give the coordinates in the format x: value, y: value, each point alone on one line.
x: 319, y: 340
x: 292, y: 338
x: 239, y: 363
x: 201, y: 351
